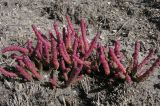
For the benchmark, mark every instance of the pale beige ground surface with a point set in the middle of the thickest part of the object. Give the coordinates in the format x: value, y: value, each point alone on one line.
x: 129, y: 20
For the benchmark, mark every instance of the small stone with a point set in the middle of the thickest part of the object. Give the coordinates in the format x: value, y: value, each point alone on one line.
x: 114, y: 31
x: 109, y: 3
x: 18, y: 87
x: 74, y: 92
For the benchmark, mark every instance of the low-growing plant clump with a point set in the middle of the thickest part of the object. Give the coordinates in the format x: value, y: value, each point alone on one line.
x: 72, y: 55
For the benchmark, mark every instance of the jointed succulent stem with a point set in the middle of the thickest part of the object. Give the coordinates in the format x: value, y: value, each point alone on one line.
x: 70, y: 54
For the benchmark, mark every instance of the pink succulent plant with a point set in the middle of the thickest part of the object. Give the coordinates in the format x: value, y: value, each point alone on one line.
x: 71, y: 54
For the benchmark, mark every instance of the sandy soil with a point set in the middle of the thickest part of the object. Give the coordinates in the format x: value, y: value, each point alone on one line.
x: 128, y: 20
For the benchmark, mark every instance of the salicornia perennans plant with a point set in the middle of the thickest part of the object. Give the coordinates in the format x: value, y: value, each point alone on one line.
x: 71, y: 53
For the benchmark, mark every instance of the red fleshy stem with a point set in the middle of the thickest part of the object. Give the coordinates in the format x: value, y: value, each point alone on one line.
x: 55, y: 25
x: 63, y: 54
x: 65, y: 76
x: 79, y: 61
x: 38, y: 50
x: 54, y: 53
x: 64, y: 70
x: 39, y: 36
x: 41, y: 49
x: 15, y: 48
x: 51, y: 35
x: 92, y: 46
x: 7, y: 73
x: 97, y: 53
x: 60, y: 41
x: 21, y: 63
x: 75, y: 63
x: 14, y: 56
x: 65, y: 50
x: 104, y: 61
x: 146, y: 59
x: 128, y: 78
x: 29, y: 46
x: 135, y: 55
x: 81, y: 44
x: 150, y: 70
x: 83, y: 30
x: 115, y: 59
x: 117, y: 47
x: 70, y: 24
x: 31, y: 67
x: 75, y: 46
x: 24, y: 72
x: 53, y: 81
x: 46, y: 53
x: 59, y: 36
x: 63, y: 66
x: 65, y: 37
x: 38, y: 54
x: 74, y: 74
x: 64, y: 33
x: 68, y: 39
x: 62, y: 45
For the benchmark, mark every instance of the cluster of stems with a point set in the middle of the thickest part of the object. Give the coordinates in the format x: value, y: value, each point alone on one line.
x: 72, y: 55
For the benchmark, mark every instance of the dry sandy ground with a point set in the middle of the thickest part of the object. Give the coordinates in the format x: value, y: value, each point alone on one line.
x: 128, y: 20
